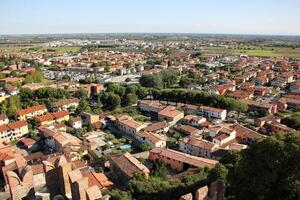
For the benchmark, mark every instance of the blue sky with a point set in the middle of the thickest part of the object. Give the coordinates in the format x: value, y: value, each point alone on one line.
x: 279, y: 17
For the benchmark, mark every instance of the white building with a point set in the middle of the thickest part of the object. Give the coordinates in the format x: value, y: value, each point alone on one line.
x: 211, y: 112
x: 154, y: 140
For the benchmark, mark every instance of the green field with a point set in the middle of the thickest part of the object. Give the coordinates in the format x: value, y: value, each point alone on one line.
x: 254, y: 51
x: 35, y: 47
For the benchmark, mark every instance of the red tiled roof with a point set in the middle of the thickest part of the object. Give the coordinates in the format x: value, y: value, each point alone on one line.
x: 4, y: 128
x: 99, y: 180
x: 60, y: 114
x: 6, y: 156
x: 17, y: 124
x: 11, y: 79
x: 185, y: 158
x: 212, y: 109
x: 28, y: 141
x: 45, y: 118
x: 30, y: 110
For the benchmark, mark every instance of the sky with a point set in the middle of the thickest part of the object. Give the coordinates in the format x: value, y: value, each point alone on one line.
x: 269, y: 17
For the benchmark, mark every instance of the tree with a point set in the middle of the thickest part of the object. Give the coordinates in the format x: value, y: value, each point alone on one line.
x: 81, y: 93
x: 217, y: 173
x: 268, y: 169
x: 34, y: 77
x: 201, y: 66
x: 34, y: 135
x: 83, y: 106
x: 98, y: 108
x: 186, y: 82
x: 26, y: 94
x: 160, y: 169
x: 66, y: 78
x: 142, y: 92
x: 199, y: 98
x: 238, y: 106
x: 110, y: 101
x: 151, y: 81
x: 79, y: 132
x: 145, y: 146
x: 168, y: 77
x: 117, y: 194
x: 117, y: 89
x: 158, y: 188
x: 132, y: 89
x: 130, y: 99
x: 11, y: 105
x: 292, y: 121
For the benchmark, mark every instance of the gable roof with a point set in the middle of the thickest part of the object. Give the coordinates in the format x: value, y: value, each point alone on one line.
x: 31, y: 110
x: 128, y: 164
x: 185, y: 158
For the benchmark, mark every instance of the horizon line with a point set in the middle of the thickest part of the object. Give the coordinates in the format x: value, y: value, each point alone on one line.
x: 166, y: 33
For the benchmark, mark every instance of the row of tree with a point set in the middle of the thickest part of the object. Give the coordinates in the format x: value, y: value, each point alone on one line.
x: 114, y: 97
x: 27, y: 97
x: 200, y: 98
x: 117, y: 95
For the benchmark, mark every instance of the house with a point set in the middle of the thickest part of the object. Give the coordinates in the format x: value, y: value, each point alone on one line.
x: 14, y: 130
x: 178, y: 160
x: 47, y: 119
x: 197, y: 147
x: 93, y: 141
x: 211, y: 112
x: 99, y: 180
x: 158, y: 127
x: 289, y: 103
x: 260, y: 91
x: 275, y: 127
x: 51, y: 118
x: 288, y: 76
x: 71, y: 146
x: 154, y: 140
x: 76, y: 122
x: 279, y: 83
x: 27, y: 142
x: 260, y: 122
x: 246, y: 135
x: 88, y: 118
x: 270, y: 108
x: 61, y: 116
x: 65, y: 104
x: 12, y: 90
x: 224, y: 136
x: 7, y: 80
x: 124, y: 166
x: 128, y: 125
x: 295, y: 86
x: 188, y: 130
x: 193, y: 120
x: 31, y: 112
x: 150, y: 106
x: 3, y: 119
x: 171, y: 115
x: 240, y: 94
x: 190, y: 109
